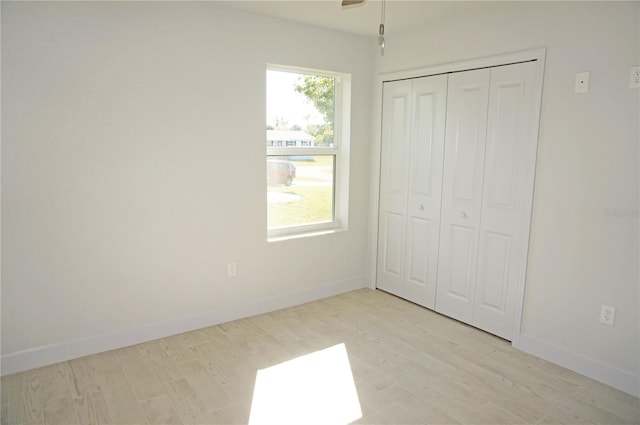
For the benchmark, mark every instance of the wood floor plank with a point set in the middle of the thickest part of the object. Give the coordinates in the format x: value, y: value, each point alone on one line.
x: 409, y: 365
x: 160, y: 411
x: 120, y: 400
x: 92, y: 409
x: 397, y: 404
x: 192, y: 338
x: 281, y: 331
x: 204, y: 385
x: 4, y: 414
x: 57, y: 400
x: 104, y: 363
x: 369, y: 416
x: 142, y: 380
x: 162, y: 366
x: 623, y: 405
x: 230, y: 365
x: 473, y: 411
x: 223, y: 372
x: 189, y: 408
x: 367, y: 377
x: 500, y: 393
x: 178, y: 349
x: 32, y: 398
x: 84, y: 378
x: 264, y: 350
x: 237, y: 413
x: 4, y: 392
x: 13, y: 393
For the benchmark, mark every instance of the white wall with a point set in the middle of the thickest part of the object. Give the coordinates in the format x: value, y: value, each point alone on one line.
x: 133, y: 170
x: 579, y: 258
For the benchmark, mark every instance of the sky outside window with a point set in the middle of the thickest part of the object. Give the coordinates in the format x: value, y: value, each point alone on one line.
x: 288, y: 104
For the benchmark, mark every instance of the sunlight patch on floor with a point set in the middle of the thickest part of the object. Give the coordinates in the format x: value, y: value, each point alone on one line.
x: 317, y: 388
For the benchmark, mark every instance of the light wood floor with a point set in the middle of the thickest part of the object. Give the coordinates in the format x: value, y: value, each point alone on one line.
x: 409, y: 365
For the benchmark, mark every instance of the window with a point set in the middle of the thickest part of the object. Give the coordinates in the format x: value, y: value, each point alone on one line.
x: 307, y: 140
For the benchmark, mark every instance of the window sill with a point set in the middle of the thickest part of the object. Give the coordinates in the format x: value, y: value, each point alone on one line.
x: 308, y: 234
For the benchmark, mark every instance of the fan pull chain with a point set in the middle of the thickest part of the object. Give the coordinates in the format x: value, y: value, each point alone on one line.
x: 381, y: 29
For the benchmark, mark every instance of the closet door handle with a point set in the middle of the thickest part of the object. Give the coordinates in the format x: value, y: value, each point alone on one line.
x: 421, y: 207
x: 463, y: 214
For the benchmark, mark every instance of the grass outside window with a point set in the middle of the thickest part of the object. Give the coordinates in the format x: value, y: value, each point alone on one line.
x: 309, y: 198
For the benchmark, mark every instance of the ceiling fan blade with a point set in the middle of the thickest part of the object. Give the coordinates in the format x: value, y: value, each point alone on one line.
x: 351, y: 2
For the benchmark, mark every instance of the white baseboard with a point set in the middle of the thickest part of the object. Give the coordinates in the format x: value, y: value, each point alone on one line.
x: 50, y: 354
x: 591, y: 368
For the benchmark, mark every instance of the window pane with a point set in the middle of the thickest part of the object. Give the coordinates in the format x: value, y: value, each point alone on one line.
x: 300, y: 109
x: 300, y: 190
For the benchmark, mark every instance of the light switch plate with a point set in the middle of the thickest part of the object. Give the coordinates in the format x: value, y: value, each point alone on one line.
x: 582, y: 82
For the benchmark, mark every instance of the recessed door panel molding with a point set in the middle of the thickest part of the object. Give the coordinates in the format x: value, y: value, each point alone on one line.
x: 461, y: 255
x: 456, y: 272
x: 419, y: 235
x: 493, y: 275
x: 422, y: 167
x: 466, y: 134
x: 397, y: 149
x: 501, y: 175
x: 393, y: 244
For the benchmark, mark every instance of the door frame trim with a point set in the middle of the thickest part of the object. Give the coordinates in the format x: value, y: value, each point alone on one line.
x: 537, y: 55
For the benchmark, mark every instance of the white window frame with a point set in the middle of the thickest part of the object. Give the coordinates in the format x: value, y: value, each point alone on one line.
x: 340, y: 149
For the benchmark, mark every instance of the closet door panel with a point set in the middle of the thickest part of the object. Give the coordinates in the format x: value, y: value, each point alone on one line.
x: 461, y: 257
x: 396, y: 125
x: 507, y: 194
x: 393, y: 246
x: 494, y: 271
x: 467, y: 104
x: 465, y: 147
x: 419, y: 235
x: 425, y: 188
x: 501, y: 174
x: 397, y: 144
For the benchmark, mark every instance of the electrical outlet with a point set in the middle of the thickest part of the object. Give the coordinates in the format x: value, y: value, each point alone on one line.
x: 634, y: 77
x: 607, y: 315
x: 231, y: 269
x: 582, y: 82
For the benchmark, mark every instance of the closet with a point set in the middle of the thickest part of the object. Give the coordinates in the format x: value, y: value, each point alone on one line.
x: 456, y: 184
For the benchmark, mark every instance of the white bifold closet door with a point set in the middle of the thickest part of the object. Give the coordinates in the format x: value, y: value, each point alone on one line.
x: 466, y: 137
x: 489, y: 167
x: 413, y: 125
